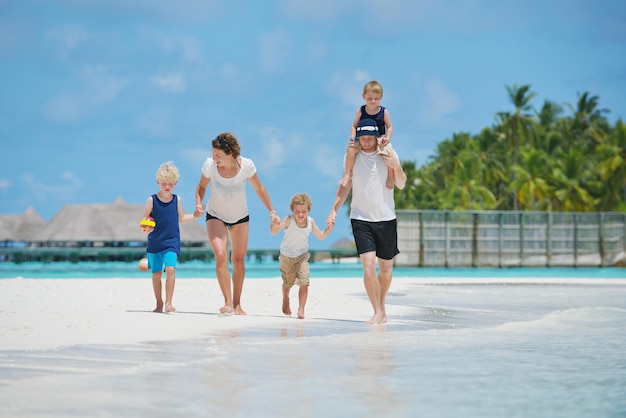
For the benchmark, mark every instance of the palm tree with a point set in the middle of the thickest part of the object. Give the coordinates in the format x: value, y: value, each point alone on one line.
x: 588, y: 122
x: 612, y: 163
x: 408, y: 198
x: 519, y: 126
x: 571, y: 181
x: 531, y: 181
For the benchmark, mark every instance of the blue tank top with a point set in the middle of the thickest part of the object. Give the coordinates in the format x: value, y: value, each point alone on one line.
x: 378, y: 117
x: 166, y: 234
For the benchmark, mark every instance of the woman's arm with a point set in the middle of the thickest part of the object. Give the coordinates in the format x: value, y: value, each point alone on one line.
x: 200, y: 192
x: 260, y: 190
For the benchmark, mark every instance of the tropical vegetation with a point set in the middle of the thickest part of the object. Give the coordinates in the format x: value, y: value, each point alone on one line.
x: 530, y: 159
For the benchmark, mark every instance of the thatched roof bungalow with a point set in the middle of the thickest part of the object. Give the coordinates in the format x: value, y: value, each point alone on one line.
x: 20, y: 229
x: 98, y: 224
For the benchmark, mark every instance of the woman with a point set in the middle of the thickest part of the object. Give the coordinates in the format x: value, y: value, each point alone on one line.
x: 227, y: 213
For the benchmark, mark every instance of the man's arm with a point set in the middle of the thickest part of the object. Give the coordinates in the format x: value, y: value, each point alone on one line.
x: 340, y: 198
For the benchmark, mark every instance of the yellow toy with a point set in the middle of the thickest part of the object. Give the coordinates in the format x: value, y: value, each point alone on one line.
x: 147, y: 221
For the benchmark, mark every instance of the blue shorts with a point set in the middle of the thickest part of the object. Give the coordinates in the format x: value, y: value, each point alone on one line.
x: 159, y: 261
x: 381, y: 237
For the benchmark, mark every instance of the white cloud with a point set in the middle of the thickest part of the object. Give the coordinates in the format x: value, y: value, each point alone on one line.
x: 62, y: 191
x: 317, y: 50
x: 319, y: 10
x: 5, y: 184
x: 275, y: 51
x: 96, y: 87
x: 174, y: 83
x: 348, y: 87
x: 441, y: 102
x: 65, y: 39
x: 188, y: 47
x: 195, y: 157
x: 274, y: 150
x: 328, y: 161
x: 155, y: 123
x: 147, y: 10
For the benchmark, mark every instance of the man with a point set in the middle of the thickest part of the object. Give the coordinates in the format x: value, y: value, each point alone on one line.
x: 372, y: 214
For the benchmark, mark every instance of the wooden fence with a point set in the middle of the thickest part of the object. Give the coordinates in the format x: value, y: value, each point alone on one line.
x: 509, y: 238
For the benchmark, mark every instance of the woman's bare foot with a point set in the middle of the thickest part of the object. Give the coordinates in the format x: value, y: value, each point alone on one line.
x: 286, y: 307
x: 169, y: 308
x: 239, y: 311
x: 226, y: 310
x: 300, y: 313
x: 376, y: 319
x: 159, y: 308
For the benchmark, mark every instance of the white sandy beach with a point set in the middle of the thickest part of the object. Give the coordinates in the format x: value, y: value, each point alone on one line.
x: 51, y: 313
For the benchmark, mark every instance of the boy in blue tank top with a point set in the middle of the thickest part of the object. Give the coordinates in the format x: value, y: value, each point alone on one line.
x: 372, y: 94
x: 163, y: 247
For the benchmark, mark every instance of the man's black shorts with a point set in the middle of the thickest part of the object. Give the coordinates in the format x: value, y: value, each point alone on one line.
x: 381, y: 237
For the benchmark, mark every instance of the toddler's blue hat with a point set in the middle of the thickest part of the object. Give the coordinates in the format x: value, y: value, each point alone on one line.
x: 367, y: 127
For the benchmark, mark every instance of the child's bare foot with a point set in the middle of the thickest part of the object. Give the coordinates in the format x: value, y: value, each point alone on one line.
x: 300, y: 313
x: 169, y: 308
x: 376, y: 319
x: 286, y: 307
x: 159, y: 308
x: 239, y: 311
x: 226, y: 310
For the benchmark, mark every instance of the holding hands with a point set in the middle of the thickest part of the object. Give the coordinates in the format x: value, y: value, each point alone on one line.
x: 199, y: 210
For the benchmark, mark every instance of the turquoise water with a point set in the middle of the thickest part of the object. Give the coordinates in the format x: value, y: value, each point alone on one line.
x: 269, y: 269
x: 453, y: 351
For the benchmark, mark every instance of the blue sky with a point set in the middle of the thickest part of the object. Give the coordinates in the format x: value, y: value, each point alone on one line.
x: 96, y: 94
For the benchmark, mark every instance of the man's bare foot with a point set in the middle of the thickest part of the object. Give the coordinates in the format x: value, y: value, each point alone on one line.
x: 300, y: 314
x: 158, y: 309
x: 169, y: 308
x: 226, y: 310
x: 286, y: 307
x: 239, y: 311
x: 376, y: 319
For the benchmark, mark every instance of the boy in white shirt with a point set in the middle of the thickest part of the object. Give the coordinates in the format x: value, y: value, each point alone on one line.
x: 294, y: 249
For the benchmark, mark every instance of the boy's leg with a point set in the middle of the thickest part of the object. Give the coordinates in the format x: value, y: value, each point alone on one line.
x: 385, y: 149
x: 391, y: 178
x: 170, y: 282
x: 286, y: 305
x: 170, y: 260
x: 155, y: 263
x: 350, y: 157
x: 302, y: 295
x: 156, y: 285
x: 287, y: 270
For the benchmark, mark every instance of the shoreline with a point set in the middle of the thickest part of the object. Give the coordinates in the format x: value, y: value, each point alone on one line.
x: 43, y: 314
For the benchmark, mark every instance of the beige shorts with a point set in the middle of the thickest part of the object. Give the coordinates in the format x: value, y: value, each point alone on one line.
x: 295, y: 270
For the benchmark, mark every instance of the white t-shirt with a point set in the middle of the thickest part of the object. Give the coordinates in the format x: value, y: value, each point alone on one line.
x: 296, y: 240
x: 227, y: 197
x: 371, y: 200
